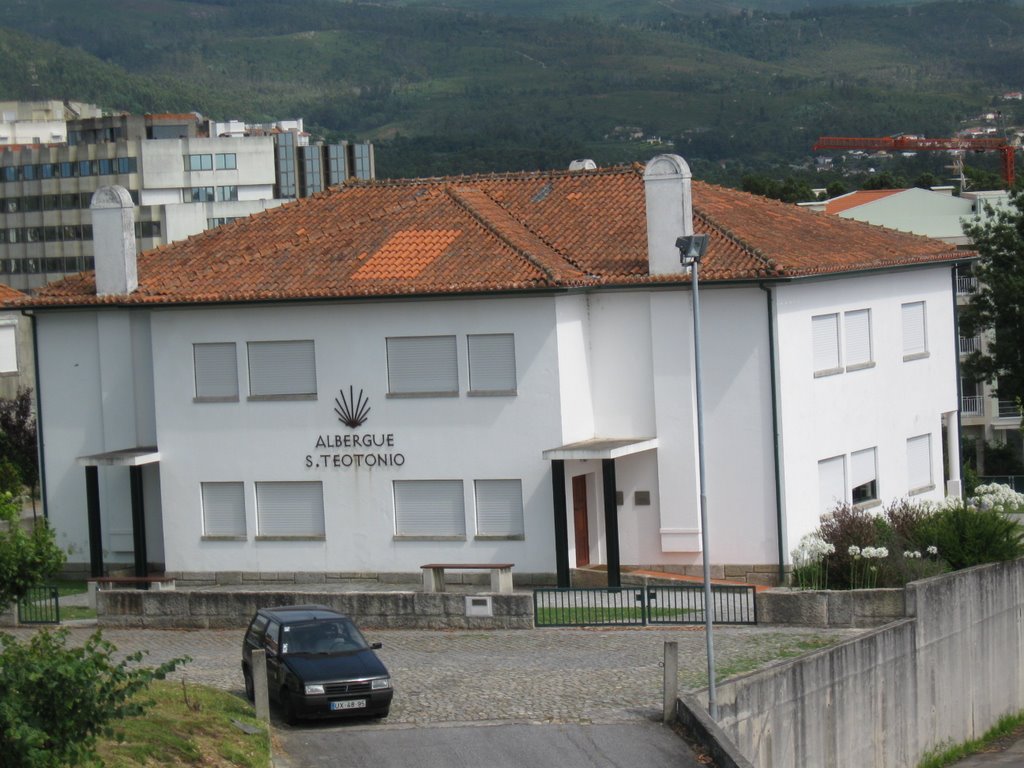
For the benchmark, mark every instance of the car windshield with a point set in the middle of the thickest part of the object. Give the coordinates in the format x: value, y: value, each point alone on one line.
x: 322, y: 636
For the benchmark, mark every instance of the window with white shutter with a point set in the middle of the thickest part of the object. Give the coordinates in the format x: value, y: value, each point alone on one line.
x: 8, y: 348
x: 423, y: 365
x: 831, y: 483
x: 499, y: 509
x: 492, y: 364
x: 825, y: 332
x: 430, y: 509
x: 857, y: 330
x: 915, y: 336
x: 863, y: 476
x: 290, y: 510
x: 216, y: 371
x: 282, y: 369
x: 223, y: 510
x: 919, y: 463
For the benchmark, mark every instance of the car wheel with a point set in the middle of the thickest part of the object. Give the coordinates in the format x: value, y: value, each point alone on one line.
x: 291, y: 714
x: 250, y: 688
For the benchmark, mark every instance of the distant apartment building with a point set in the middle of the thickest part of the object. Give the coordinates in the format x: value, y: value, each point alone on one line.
x: 184, y: 173
x: 40, y: 122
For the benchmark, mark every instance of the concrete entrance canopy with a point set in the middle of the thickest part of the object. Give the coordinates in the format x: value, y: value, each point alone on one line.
x: 134, y: 459
x: 606, y: 450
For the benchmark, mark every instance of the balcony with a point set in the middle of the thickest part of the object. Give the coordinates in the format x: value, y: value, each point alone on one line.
x: 966, y: 285
x: 967, y: 346
x: 1007, y: 409
x: 972, y: 405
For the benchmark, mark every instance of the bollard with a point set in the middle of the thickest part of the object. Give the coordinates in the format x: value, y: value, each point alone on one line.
x: 671, y: 685
x: 259, y: 681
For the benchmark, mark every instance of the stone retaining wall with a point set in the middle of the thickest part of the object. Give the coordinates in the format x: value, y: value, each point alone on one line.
x: 831, y: 608
x: 198, y: 609
x: 944, y: 675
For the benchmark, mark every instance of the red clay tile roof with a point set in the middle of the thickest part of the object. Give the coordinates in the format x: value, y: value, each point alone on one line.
x: 855, y: 199
x: 472, y: 234
x: 9, y: 294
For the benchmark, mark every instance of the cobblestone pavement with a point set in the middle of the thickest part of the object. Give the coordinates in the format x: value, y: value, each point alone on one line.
x: 531, y: 676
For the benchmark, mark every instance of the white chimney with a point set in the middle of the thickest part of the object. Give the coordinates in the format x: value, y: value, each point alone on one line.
x: 113, y: 239
x: 669, y: 212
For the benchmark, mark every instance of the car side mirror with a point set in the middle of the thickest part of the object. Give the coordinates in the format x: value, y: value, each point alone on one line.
x: 376, y: 646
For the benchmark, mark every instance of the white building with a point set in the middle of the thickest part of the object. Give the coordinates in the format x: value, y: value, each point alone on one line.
x: 938, y: 214
x: 493, y: 368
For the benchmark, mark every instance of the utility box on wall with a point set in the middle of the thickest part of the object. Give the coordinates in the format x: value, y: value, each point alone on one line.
x: 479, y: 605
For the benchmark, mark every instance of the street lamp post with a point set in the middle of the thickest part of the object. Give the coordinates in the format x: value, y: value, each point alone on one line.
x: 691, y: 250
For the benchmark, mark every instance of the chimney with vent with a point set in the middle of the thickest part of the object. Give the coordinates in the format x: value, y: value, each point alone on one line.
x: 113, y: 237
x: 669, y: 212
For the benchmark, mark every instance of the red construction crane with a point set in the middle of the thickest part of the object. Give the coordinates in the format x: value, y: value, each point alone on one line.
x: 914, y: 144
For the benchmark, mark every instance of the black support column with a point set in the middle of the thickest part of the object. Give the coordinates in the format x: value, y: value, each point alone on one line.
x: 92, y: 504
x: 561, y: 525
x: 611, y: 522
x: 138, y: 523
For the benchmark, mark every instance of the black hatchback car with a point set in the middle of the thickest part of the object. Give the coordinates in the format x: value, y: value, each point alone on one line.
x: 318, y: 664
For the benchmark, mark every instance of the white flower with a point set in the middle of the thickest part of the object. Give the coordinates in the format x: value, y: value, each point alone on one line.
x: 908, y: 554
x: 933, y: 550
x: 827, y: 517
x: 881, y: 552
x: 868, y: 552
x: 853, y: 551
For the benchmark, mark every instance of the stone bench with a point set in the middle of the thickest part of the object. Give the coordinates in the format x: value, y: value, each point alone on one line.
x: 501, y: 575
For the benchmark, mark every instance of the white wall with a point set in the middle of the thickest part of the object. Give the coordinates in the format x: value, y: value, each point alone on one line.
x: 96, y: 394
x: 461, y: 437
x: 879, y: 407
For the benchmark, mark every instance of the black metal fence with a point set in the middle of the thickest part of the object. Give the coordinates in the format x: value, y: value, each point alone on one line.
x: 40, y: 605
x: 1016, y: 482
x: 642, y: 606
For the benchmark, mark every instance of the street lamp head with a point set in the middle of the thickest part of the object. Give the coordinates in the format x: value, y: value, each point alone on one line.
x: 691, y: 249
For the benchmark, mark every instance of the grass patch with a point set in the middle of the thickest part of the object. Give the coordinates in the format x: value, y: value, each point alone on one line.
x: 1008, y: 725
x: 188, y: 726
x: 76, y: 612
x: 584, y: 615
x: 782, y: 647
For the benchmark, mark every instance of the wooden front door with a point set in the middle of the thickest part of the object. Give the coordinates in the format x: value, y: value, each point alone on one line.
x: 579, y: 517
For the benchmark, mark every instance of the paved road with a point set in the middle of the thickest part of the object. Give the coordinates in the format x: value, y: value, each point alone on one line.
x: 458, y: 679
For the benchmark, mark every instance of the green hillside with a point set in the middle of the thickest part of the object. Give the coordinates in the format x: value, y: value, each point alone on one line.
x: 443, y: 89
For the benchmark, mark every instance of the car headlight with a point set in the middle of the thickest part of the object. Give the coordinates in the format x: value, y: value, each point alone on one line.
x: 382, y: 683
x: 313, y: 690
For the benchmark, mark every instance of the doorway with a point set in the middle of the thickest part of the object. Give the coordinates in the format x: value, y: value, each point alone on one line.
x: 579, y: 517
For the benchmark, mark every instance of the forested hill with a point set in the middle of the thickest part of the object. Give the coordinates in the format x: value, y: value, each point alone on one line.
x: 445, y: 89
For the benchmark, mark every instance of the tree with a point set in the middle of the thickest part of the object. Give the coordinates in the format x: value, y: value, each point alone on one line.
x: 996, y: 308
x: 28, y: 555
x: 884, y: 180
x: 18, y: 436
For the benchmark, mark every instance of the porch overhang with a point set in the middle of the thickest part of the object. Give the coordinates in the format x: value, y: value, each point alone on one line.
x: 601, y: 448
x: 126, y: 457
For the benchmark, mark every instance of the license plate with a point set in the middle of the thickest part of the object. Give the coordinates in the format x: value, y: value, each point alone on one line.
x: 352, y: 704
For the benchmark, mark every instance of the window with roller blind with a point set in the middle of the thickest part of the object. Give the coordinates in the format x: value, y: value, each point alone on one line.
x: 422, y: 366
x: 831, y: 483
x: 216, y: 372
x: 282, y: 370
x: 429, y: 509
x: 492, y: 364
x: 841, y: 343
x: 223, y: 510
x: 857, y: 339
x: 863, y: 476
x: 919, y: 464
x: 915, y: 336
x: 499, y: 509
x: 848, y: 479
x: 290, y: 510
x: 8, y: 348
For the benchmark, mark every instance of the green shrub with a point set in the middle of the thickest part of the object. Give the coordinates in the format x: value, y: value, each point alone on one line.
x: 967, y: 535
x: 848, y: 529
x: 55, y: 701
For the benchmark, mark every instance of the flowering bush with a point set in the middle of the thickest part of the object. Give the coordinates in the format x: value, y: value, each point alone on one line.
x: 809, y: 569
x: 931, y: 536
